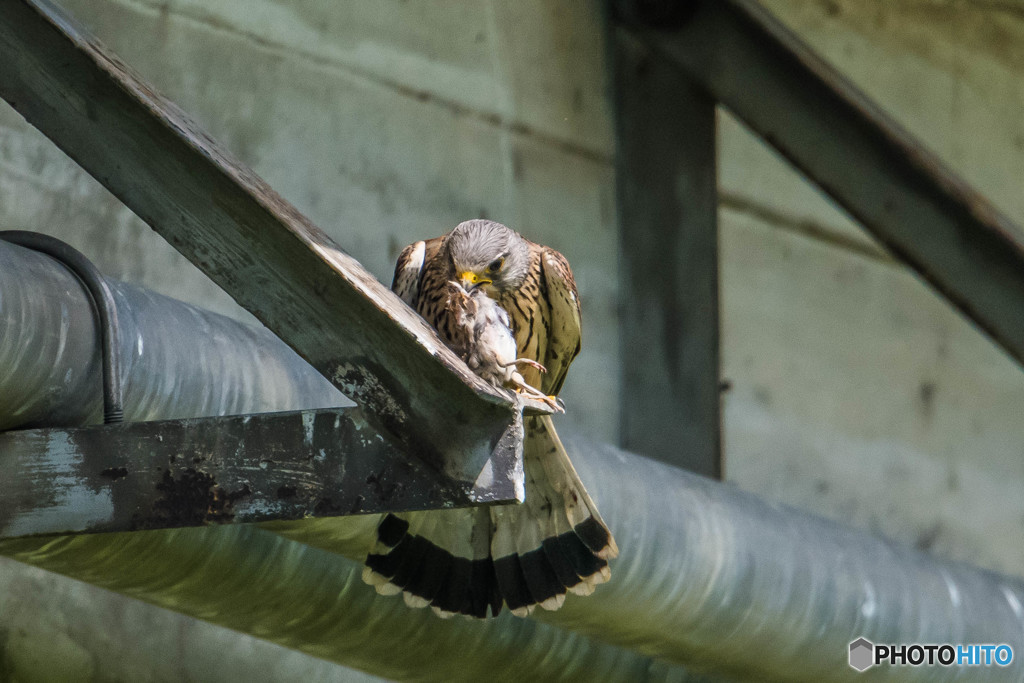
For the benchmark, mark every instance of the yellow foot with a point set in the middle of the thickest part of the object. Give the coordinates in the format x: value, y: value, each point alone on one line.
x: 556, y: 403
x: 552, y: 402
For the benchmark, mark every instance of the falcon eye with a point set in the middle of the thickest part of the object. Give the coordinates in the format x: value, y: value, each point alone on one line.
x: 496, y: 265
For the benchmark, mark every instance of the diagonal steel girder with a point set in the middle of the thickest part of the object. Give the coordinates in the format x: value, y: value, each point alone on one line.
x: 256, y: 246
x: 900, y: 192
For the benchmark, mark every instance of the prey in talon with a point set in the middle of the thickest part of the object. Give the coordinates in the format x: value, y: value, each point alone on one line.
x: 481, y: 333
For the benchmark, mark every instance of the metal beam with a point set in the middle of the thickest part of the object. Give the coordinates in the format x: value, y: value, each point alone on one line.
x: 903, y: 195
x: 668, y: 227
x: 215, y: 470
x: 255, y: 245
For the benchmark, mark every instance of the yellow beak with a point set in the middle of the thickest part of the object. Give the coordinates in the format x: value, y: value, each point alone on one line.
x: 470, y: 280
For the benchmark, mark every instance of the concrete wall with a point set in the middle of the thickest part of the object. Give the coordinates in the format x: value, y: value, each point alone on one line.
x: 856, y: 392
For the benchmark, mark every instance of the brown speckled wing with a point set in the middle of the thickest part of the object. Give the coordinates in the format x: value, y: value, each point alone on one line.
x: 558, y: 287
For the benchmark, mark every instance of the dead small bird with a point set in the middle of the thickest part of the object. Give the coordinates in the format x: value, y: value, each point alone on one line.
x: 481, y: 333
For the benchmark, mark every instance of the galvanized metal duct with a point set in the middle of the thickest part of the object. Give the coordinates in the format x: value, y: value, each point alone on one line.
x: 719, y: 580
x: 709, y: 576
x: 304, y: 598
x: 56, y: 629
x: 177, y: 360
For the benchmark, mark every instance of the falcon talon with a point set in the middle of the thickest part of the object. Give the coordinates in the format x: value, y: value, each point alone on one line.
x: 508, y: 307
x: 531, y: 363
x: 525, y: 361
x: 556, y: 404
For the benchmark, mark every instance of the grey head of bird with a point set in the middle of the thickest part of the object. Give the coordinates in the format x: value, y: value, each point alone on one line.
x: 487, y: 255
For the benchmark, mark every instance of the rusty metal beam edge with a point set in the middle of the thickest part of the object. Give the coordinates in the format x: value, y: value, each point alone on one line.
x: 904, y: 195
x: 200, y: 471
x: 255, y: 245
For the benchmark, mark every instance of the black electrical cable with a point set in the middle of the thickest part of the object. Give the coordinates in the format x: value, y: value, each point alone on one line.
x: 103, y: 300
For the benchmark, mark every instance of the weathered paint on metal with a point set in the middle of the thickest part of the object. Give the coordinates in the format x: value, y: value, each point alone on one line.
x: 668, y: 225
x: 900, y: 192
x: 249, y: 240
x: 199, y: 471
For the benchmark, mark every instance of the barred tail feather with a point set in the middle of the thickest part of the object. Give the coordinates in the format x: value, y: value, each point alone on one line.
x: 464, y: 561
x: 438, y: 558
x: 579, y: 533
x: 580, y: 509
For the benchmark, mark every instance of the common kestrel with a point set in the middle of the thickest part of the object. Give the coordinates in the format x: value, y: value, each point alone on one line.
x: 462, y: 561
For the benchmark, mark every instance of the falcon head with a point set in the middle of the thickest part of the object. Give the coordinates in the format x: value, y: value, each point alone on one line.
x: 487, y: 255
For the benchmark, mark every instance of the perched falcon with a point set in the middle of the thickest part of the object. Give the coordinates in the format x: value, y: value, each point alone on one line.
x: 466, y: 560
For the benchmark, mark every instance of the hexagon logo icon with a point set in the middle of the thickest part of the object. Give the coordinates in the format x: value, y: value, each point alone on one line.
x: 862, y: 654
